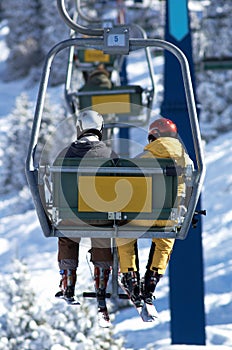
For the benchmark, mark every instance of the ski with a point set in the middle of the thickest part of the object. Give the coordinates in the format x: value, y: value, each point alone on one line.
x: 69, y: 301
x: 146, y: 311
x: 149, y: 312
x: 138, y: 305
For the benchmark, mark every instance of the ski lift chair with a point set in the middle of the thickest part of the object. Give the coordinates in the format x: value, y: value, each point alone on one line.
x: 88, y: 58
x: 36, y: 173
x: 85, y: 60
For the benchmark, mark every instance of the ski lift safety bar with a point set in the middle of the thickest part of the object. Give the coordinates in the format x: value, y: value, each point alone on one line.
x: 98, y: 43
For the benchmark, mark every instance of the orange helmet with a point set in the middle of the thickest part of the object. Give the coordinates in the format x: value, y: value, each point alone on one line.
x: 162, y: 127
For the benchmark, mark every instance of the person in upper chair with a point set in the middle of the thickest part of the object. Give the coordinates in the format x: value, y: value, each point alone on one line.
x: 99, y: 77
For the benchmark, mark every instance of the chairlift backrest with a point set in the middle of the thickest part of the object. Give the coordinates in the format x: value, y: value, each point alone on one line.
x: 147, y: 197
x: 95, y: 56
x: 126, y: 100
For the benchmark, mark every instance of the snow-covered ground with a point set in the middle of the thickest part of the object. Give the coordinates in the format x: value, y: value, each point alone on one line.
x: 21, y: 238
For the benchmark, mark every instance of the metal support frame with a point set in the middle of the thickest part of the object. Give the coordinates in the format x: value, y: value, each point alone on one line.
x: 75, y: 26
x: 82, y: 14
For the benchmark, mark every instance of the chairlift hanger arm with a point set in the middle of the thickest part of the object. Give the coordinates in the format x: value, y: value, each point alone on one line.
x: 148, y: 57
x: 76, y: 27
x: 83, y: 16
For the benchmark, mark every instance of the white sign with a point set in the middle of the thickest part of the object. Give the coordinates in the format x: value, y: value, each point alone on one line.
x: 116, y: 40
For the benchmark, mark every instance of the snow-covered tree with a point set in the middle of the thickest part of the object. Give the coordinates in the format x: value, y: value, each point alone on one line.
x: 35, y: 27
x: 54, y: 31
x: 20, y: 317
x: 214, y: 86
x: 216, y: 36
x: 16, y: 136
x: 26, y: 325
x: 23, y: 38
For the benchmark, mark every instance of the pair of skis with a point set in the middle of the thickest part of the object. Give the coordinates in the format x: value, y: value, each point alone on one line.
x: 145, y: 308
x: 147, y: 311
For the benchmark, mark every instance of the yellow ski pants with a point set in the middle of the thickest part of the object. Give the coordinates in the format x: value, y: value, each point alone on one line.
x: 158, y: 259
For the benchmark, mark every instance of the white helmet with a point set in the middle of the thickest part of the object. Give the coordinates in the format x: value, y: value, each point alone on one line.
x: 89, y: 122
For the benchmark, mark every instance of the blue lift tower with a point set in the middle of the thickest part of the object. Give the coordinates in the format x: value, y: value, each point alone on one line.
x: 186, y: 265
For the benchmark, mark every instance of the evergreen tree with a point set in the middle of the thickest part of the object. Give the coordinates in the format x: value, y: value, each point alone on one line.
x: 20, y: 317
x: 26, y: 325
x: 214, y: 86
x: 23, y: 38
x: 54, y: 31
x: 16, y: 138
x: 35, y: 27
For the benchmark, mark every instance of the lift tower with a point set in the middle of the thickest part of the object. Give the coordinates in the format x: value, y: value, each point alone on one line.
x: 186, y: 265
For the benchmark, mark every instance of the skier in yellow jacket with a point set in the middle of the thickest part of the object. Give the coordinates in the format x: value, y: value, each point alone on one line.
x: 163, y: 143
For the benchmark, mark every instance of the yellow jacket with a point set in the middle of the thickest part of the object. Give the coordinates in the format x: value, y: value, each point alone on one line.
x: 167, y: 147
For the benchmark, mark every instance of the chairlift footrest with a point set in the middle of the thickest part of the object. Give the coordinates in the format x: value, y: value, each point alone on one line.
x: 123, y: 296
x: 94, y: 295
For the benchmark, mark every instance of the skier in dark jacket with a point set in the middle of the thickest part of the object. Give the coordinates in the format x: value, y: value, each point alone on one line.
x: 88, y: 144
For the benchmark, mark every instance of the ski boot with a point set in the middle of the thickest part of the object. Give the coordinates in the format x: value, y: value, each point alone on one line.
x: 148, y: 285
x: 101, y: 277
x: 67, y: 284
x: 130, y: 281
